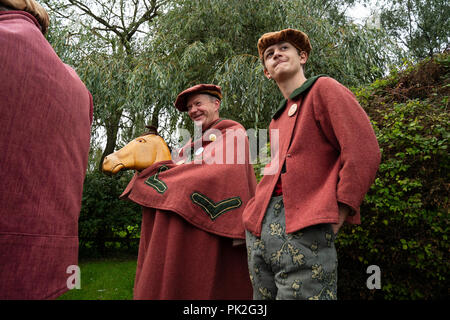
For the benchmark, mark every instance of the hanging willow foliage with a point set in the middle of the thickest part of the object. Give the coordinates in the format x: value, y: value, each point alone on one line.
x: 135, y: 80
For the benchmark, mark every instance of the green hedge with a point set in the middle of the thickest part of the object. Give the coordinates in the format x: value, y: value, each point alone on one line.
x: 405, y: 217
x: 108, y: 224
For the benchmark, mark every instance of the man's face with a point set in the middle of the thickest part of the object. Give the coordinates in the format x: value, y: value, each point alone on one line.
x: 203, y: 108
x: 282, y: 61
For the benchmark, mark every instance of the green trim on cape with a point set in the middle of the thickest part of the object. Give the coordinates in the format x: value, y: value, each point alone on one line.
x: 155, y: 182
x: 215, y: 209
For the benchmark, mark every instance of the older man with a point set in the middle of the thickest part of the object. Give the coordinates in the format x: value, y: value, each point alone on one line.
x: 192, y: 218
x: 46, y: 113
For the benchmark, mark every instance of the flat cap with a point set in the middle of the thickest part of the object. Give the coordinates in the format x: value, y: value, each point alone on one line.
x: 211, y: 89
x: 32, y: 7
x: 297, y: 38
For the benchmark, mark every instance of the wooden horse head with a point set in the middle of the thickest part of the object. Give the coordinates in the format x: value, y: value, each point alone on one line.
x: 139, y: 154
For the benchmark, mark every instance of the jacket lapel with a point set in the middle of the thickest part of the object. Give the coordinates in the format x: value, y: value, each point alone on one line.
x: 285, y: 118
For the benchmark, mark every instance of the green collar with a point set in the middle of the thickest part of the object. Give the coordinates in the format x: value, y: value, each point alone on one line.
x: 302, y: 89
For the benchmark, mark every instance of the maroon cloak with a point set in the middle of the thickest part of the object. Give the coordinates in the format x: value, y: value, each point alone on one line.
x: 192, y: 212
x: 46, y: 113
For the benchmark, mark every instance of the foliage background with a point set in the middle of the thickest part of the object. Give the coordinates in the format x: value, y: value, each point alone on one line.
x: 136, y: 56
x: 405, y: 215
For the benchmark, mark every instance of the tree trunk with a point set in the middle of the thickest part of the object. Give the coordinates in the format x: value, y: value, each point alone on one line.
x: 155, y: 121
x: 111, y: 136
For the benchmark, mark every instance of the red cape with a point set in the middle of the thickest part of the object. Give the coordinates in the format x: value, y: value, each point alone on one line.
x: 190, y: 213
x: 211, y: 197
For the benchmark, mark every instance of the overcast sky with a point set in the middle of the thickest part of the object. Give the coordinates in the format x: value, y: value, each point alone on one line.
x: 359, y: 13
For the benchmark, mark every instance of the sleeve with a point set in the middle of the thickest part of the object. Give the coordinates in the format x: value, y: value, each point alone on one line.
x: 347, y: 127
x: 91, y: 108
x: 74, y: 74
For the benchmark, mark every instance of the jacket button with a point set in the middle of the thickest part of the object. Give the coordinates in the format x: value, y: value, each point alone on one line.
x: 288, y: 155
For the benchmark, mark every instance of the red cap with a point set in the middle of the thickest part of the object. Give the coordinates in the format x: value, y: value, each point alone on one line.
x: 211, y: 89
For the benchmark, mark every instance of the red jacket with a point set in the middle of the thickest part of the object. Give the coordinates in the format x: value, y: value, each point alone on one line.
x: 46, y: 113
x: 330, y: 155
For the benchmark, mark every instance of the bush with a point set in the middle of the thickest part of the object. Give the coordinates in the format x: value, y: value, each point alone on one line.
x: 108, y: 224
x: 404, y: 227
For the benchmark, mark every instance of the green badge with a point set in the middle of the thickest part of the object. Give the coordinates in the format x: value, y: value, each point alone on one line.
x: 215, y: 209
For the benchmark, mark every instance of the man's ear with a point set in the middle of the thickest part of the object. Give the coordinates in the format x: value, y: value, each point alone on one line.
x: 266, y: 73
x: 303, y: 57
x: 217, y: 105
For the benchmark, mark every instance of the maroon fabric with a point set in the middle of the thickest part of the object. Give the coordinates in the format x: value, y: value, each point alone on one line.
x: 185, y: 253
x: 217, y: 182
x: 330, y: 154
x: 179, y: 261
x: 46, y: 112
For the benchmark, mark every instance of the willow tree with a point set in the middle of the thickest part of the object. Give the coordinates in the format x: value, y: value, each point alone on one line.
x: 140, y: 54
x: 422, y: 27
x: 106, y: 36
x: 215, y: 41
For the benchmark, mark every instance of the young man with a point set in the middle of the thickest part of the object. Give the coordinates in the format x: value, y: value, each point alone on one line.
x: 328, y: 157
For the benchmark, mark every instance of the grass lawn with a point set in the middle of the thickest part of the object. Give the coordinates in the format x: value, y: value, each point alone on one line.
x: 107, y: 279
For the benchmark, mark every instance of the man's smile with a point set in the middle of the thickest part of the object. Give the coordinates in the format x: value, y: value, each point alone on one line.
x: 197, y: 117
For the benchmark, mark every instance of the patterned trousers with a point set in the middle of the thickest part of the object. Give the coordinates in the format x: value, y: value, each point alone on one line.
x: 300, y: 265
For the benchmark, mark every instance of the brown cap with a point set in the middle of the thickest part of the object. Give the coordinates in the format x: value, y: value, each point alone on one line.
x: 31, y: 7
x: 297, y: 38
x: 211, y: 89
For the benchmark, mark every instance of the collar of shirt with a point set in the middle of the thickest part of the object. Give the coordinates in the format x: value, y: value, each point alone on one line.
x: 297, y: 92
x: 18, y: 14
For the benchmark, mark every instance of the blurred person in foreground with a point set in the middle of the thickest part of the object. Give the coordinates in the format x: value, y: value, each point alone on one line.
x: 46, y: 115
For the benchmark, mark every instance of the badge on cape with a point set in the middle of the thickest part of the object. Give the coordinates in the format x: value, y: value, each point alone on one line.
x: 212, y: 137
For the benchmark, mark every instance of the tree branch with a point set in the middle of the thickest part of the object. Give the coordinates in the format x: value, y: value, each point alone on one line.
x: 149, y: 15
x: 102, y: 21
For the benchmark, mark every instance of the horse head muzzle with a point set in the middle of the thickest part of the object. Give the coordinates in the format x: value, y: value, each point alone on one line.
x: 112, y: 164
